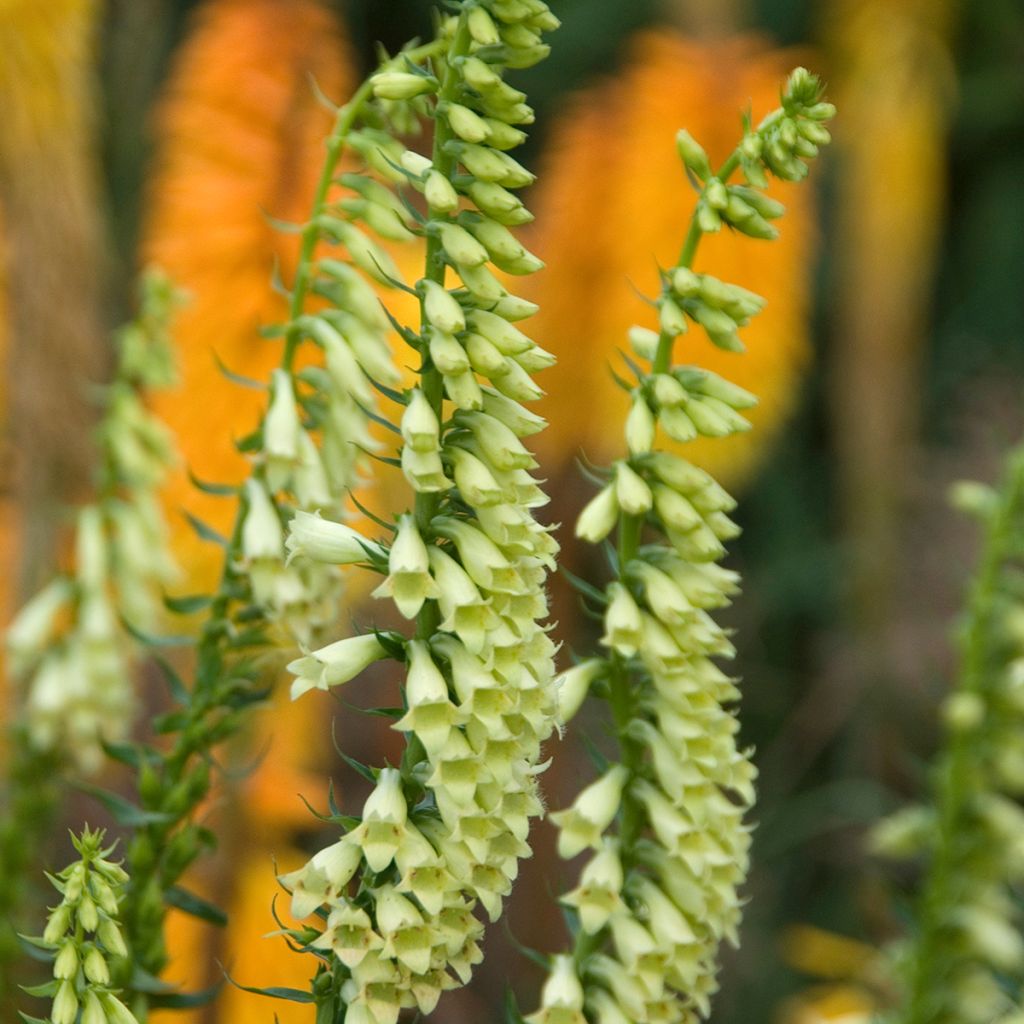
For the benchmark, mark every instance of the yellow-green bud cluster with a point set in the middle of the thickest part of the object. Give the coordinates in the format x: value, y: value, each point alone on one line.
x: 965, y: 961
x: 85, y: 938
x: 781, y: 145
x: 665, y: 827
x: 68, y: 643
x: 444, y: 833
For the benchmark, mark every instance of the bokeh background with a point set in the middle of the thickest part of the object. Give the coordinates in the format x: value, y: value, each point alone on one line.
x: 890, y: 362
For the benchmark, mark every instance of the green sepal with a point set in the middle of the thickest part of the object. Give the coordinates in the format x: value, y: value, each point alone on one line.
x: 368, y: 773
x: 172, y: 721
x: 316, y: 814
x: 44, y: 991
x: 295, y: 995
x: 152, y: 640
x: 29, y: 1019
x: 587, y: 589
x: 187, y: 604
x: 143, y: 981
x: 378, y: 712
x: 196, y: 906
x: 124, y: 811
x: 285, y: 227
x: 185, y: 1000
x: 206, y: 532
x: 252, y: 442
x: 175, y: 686
x: 238, y: 378
x: 541, y: 959
x: 369, y: 515
x: 597, y: 757
x: 377, y: 418
x: 513, y: 1015
x: 36, y: 949
x: 124, y: 753
x: 216, y: 490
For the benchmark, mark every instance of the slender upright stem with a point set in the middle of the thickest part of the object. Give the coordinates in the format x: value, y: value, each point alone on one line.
x: 958, y: 764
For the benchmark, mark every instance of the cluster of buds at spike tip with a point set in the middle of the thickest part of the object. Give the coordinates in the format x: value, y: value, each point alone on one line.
x: 780, y: 145
x: 84, y: 937
x: 68, y: 644
x: 664, y: 827
x: 443, y: 835
x: 965, y: 960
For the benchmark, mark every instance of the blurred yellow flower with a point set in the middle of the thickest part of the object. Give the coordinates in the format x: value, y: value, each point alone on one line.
x: 852, y: 968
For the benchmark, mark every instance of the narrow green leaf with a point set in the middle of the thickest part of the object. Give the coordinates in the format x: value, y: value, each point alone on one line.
x: 152, y: 640
x: 190, y: 903
x: 124, y: 811
x: 294, y: 995
x: 187, y: 604
x: 143, y: 981
x: 124, y: 753
x: 186, y: 1000
x: 588, y: 589
x: 237, y: 378
x: 43, y: 991
x: 217, y: 490
x: 206, y: 532
x: 175, y: 686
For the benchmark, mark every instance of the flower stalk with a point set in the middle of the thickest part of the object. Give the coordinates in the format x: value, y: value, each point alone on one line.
x: 665, y: 822
x: 442, y: 834
x: 964, y: 959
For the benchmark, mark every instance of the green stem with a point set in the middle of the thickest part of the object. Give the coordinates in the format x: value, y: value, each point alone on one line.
x: 958, y: 766
x: 663, y: 356
x: 431, y: 380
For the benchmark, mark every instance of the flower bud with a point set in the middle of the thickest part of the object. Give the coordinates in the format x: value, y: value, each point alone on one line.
x: 65, y: 1004
x: 401, y: 85
x: 262, y: 533
x: 440, y: 193
x: 323, y: 540
x: 623, y: 625
x: 424, y: 470
x: 599, y: 516
x: 631, y: 490
x: 574, y: 684
x: 334, y: 664
x: 117, y: 1012
x: 644, y: 342
x: 693, y: 155
x: 95, y: 966
x: 442, y: 310
x: 640, y: 427
x: 420, y: 428
x: 463, y: 249
x: 465, y: 123
x: 93, y: 1013
x: 591, y: 813
x: 482, y: 27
